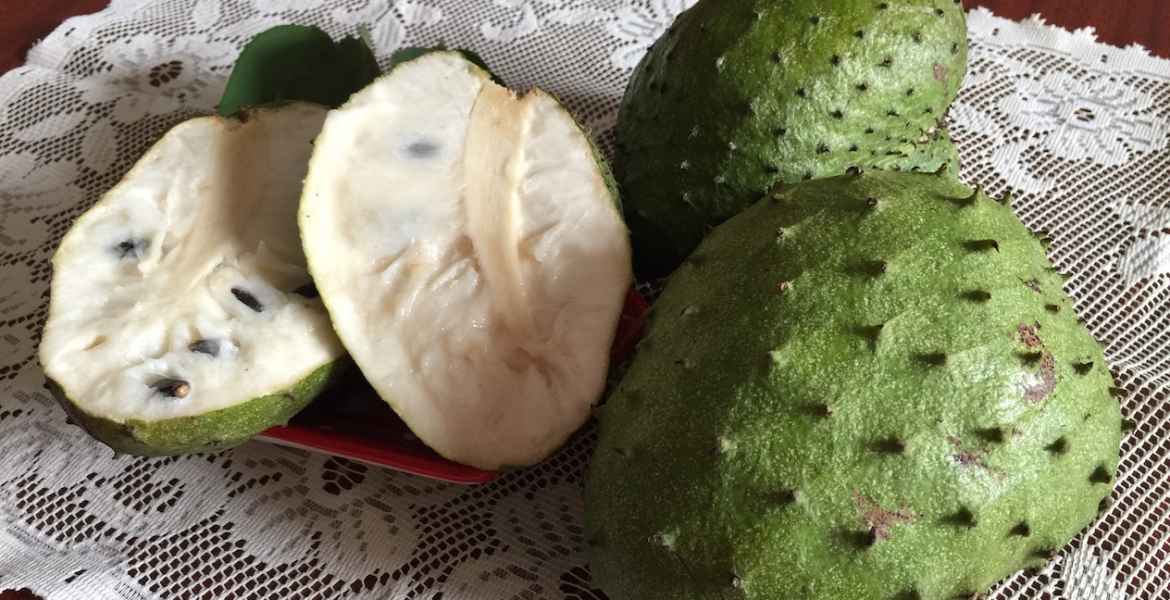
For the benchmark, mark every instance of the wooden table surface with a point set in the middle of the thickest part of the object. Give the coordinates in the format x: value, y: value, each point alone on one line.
x: 1118, y: 22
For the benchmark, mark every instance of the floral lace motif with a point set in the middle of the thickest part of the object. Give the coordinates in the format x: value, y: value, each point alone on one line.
x: 1077, y: 131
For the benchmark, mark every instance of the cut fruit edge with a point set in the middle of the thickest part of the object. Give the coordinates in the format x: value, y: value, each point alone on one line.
x: 415, y: 458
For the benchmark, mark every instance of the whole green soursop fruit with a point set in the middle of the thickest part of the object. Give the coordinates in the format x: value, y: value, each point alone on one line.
x: 179, y: 318
x: 871, y: 386
x: 738, y: 96
x: 472, y: 257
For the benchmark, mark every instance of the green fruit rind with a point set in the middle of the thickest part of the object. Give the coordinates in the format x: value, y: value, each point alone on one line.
x: 867, y: 386
x: 213, y: 431
x: 736, y: 97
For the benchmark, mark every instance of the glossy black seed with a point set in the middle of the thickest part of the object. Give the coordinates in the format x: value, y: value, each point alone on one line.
x: 209, y: 347
x: 172, y: 388
x: 247, y: 299
x: 132, y: 248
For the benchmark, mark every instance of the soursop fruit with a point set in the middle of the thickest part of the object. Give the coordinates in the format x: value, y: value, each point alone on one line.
x: 472, y: 257
x: 180, y: 318
x: 737, y: 96
x: 869, y: 386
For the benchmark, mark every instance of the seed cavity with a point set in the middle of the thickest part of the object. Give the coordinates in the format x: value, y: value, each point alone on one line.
x: 205, y: 346
x: 247, y: 299
x: 1058, y: 447
x: 133, y: 248
x: 801, y: 92
x: 309, y: 290
x: 992, y: 435
x: 837, y: 114
x: 1083, y: 368
x: 172, y: 388
x: 887, y: 62
x: 1100, y: 475
x: 835, y: 60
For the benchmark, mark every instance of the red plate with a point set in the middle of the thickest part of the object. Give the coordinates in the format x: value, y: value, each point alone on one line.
x: 351, y: 421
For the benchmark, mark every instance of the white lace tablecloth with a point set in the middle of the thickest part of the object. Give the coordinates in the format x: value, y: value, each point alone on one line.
x: 1077, y: 130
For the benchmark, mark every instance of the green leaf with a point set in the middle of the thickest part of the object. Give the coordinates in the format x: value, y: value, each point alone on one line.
x: 294, y: 62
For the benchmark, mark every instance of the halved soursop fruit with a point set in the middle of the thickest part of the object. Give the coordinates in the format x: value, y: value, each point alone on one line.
x: 472, y: 257
x: 179, y: 318
x: 738, y: 96
x: 866, y: 387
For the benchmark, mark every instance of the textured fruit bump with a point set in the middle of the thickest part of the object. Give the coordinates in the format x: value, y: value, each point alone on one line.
x: 867, y: 386
x: 737, y: 96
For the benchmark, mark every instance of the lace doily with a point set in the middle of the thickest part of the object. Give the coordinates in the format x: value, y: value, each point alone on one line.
x: 1077, y: 130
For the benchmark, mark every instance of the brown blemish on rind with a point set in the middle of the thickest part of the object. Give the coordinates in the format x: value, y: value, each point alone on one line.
x: 1037, y: 392
x: 940, y: 72
x: 878, y: 519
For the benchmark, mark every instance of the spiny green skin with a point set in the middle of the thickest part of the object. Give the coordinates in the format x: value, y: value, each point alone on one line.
x: 208, y: 432
x: 737, y: 96
x: 768, y: 426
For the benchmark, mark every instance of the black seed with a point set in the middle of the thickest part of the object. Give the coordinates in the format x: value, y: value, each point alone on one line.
x: 1052, y: 308
x: 861, y: 539
x: 979, y: 296
x: 981, y: 245
x: 782, y: 496
x: 862, y: 87
x: 869, y: 130
x: 962, y: 518
x: 859, y: 34
x: 886, y: 62
x: 422, y: 149
x: 777, y: 57
x: 247, y: 299
x: 800, y: 92
x: 807, y: 175
x: 835, y: 60
x: 853, y: 148
x: 779, y: 131
x: 822, y: 148
x: 837, y: 114
x: 892, y: 113
x: 940, y: 12
x: 815, y: 20
x: 854, y: 171
x: 955, y: 48
x: 172, y: 388
x: 883, y: 5
x: 1060, y: 446
x: 871, y: 203
x: 910, y: 92
x: 1082, y: 368
x: 934, y: 359
x: 209, y: 347
x: 771, y: 169
x: 132, y: 248
x: 917, y: 37
x: 888, y: 446
x: 1104, y: 504
x: 1021, y: 530
x: 1100, y: 475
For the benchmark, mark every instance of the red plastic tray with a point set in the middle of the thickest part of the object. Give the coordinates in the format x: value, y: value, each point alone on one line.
x: 351, y: 421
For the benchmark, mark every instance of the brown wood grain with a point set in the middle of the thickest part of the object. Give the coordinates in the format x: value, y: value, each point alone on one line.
x: 1118, y: 22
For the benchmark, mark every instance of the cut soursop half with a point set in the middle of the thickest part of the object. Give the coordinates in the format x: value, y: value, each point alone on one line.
x: 180, y: 317
x: 472, y: 257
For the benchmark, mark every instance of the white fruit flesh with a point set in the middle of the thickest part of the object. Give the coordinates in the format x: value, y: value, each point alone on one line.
x: 163, y: 261
x: 472, y: 258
